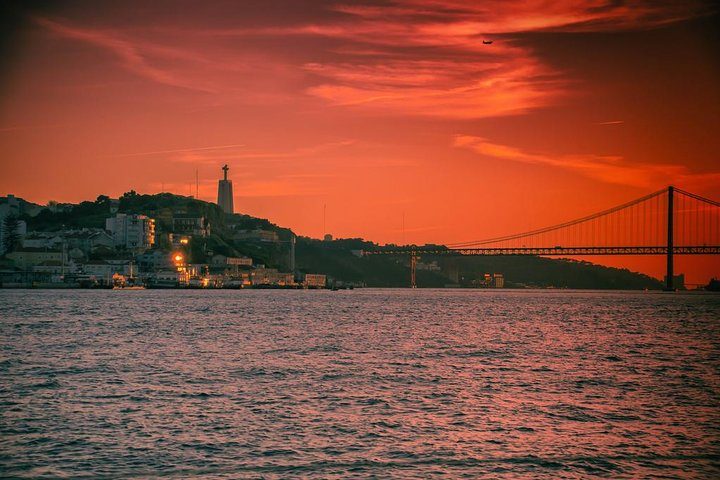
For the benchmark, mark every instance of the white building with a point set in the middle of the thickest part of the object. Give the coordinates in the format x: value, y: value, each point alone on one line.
x: 133, y: 232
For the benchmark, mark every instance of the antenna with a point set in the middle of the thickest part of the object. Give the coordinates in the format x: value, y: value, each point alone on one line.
x: 324, y: 218
x: 403, y: 228
x: 197, y: 184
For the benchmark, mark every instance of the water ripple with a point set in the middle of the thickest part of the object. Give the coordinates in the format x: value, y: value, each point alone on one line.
x: 363, y: 384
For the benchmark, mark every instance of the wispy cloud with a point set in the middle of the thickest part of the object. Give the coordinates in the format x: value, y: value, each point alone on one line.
x: 217, y: 155
x: 484, y: 87
x: 472, y: 80
x: 415, y: 57
x: 502, y: 17
x: 179, y: 150
x: 134, y: 55
x: 606, y: 168
x: 612, y: 122
x: 15, y: 128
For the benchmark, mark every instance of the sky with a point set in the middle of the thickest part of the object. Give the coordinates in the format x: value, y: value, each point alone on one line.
x: 394, y: 118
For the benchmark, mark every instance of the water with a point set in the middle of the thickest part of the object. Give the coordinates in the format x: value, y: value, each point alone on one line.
x: 363, y: 383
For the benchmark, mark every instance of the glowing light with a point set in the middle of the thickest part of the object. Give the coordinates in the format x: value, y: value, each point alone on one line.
x: 178, y: 258
x: 184, y: 241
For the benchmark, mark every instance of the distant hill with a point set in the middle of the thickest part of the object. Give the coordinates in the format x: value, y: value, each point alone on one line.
x: 334, y: 258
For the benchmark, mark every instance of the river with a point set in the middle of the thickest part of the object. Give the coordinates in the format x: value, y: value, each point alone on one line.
x: 365, y: 383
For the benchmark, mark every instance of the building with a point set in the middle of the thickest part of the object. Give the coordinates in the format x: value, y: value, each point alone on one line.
x: 190, y: 225
x: 25, y: 258
x: 230, y: 262
x: 257, y: 235
x: 169, y: 279
x: 429, y: 266
x: 132, y: 232
x: 225, y: 193
x: 495, y: 280
x: 314, y: 280
x: 43, y: 240
x: 179, y: 241
x: 87, y: 239
x: 270, y: 276
x: 52, y: 267
x: 154, y: 260
x: 102, y: 269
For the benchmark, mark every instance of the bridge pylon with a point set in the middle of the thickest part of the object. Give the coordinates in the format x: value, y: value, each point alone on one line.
x: 670, y: 232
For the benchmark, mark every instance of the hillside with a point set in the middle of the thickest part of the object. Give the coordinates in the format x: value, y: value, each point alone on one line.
x: 336, y: 258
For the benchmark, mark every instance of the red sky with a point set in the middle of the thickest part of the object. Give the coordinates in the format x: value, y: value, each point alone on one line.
x: 378, y: 110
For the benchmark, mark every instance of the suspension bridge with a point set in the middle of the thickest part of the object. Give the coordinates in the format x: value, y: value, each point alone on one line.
x: 668, y: 222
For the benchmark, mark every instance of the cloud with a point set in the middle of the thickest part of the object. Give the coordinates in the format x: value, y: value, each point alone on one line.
x: 503, y: 17
x: 485, y: 87
x: 135, y: 56
x: 179, y: 150
x: 409, y: 57
x: 216, y: 155
x: 450, y: 72
x: 605, y: 168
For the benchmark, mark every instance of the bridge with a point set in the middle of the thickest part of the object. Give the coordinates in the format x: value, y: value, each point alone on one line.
x: 668, y: 222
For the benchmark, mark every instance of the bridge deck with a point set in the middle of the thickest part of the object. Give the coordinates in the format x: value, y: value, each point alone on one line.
x: 555, y: 251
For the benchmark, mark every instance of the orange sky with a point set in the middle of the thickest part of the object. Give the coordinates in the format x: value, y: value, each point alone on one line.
x: 375, y: 109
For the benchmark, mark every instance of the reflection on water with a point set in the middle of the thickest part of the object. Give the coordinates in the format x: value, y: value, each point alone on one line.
x: 363, y: 383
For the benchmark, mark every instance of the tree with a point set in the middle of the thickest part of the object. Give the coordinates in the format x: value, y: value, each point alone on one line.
x: 11, y: 236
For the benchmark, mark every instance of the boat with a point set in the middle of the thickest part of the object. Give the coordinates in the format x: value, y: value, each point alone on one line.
x: 119, y: 282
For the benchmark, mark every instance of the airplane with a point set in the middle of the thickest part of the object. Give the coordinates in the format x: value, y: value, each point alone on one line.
x: 487, y: 42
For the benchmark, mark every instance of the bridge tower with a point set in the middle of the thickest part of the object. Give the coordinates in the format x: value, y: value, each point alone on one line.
x: 669, y: 278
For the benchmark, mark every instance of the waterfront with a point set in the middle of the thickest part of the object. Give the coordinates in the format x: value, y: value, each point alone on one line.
x: 363, y: 383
